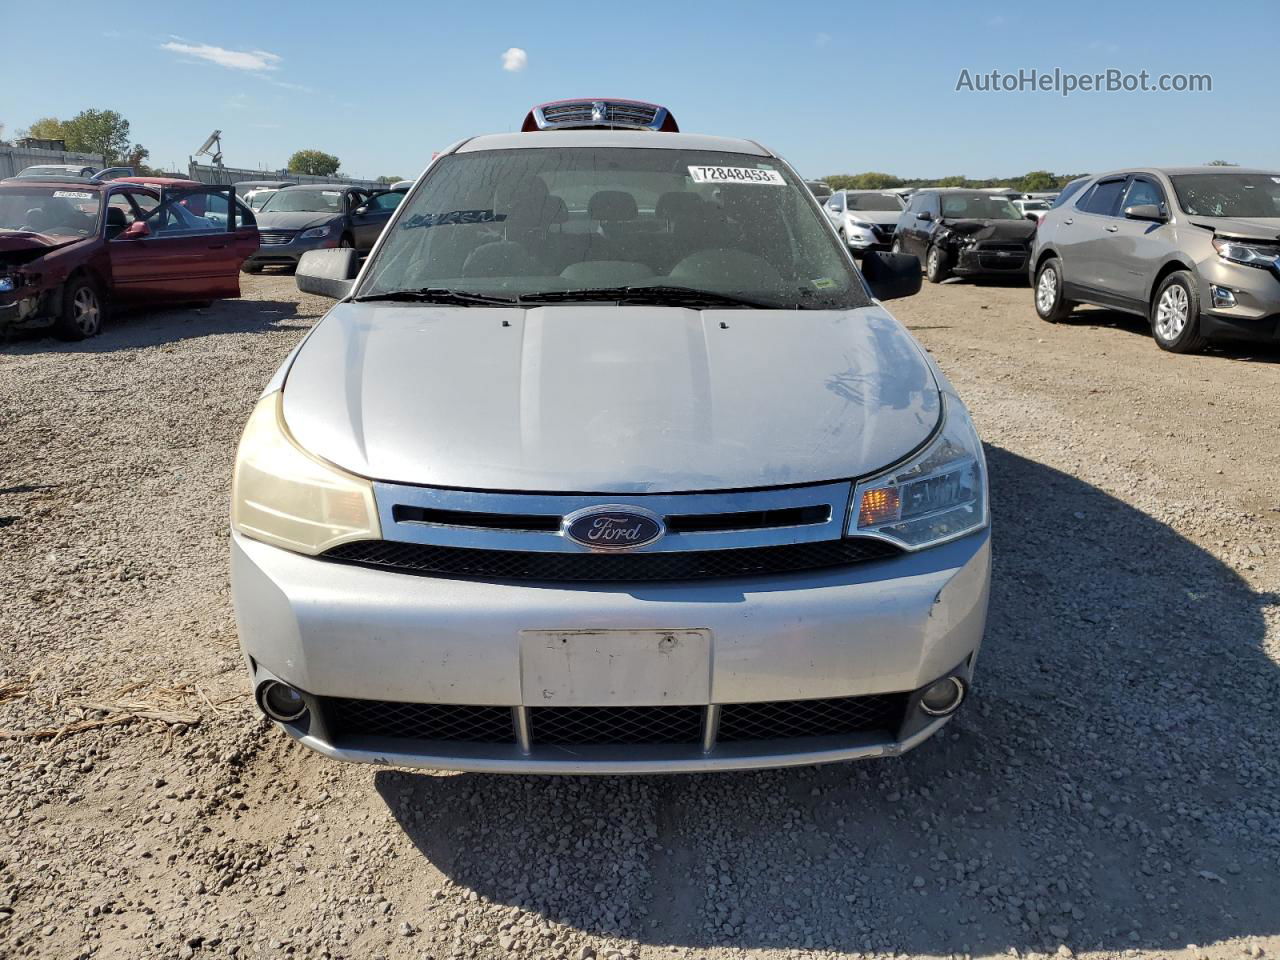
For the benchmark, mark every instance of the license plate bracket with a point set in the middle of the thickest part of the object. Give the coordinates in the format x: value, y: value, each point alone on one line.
x: 617, y: 668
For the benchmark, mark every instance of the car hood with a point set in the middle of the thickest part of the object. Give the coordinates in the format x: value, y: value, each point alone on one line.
x: 1260, y: 228
x: 882, y: 217
x: 19, y: 246
x: 609, y: 399
x: 293, y: 221
x: 981, y: 229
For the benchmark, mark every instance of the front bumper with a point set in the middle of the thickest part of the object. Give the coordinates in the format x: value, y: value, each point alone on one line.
x: 860, y: 240
x: 886, y: 627
x: 1256, y: 313
x: 288, y: 254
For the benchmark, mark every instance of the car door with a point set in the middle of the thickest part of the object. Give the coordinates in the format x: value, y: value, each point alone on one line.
x: 834, y: 208
x: 1084, y: 236
x: 370, y: 215
x: 924, y: 224
x: 1137, y: 248
x: 180, y: 254
x: 131, y: 264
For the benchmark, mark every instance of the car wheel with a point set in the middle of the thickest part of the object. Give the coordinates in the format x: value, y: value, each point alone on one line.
x: 937, y: 266
x: 1048, y: 295
x: 83, y: 311
x: 1175, y: 314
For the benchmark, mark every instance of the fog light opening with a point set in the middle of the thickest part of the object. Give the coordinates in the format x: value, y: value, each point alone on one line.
x: 943, y: 697
x: 1222, y: 297
x: 281, y: 702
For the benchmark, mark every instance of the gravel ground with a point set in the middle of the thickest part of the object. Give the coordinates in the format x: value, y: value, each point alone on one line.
x: 1112, y: 789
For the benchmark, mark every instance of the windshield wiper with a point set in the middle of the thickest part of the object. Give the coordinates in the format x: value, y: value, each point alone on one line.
x: 638, y: 295
x: 455, y: 298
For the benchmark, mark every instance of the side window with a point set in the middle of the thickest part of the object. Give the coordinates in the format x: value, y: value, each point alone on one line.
x: 120, y: 213
x: 1143, y: 191
x: 354, y: 199
x: 385, y: 202
x: 932, y: 203
x: 187, y: 212
x: 837, y: 203
x: 1104, y: 199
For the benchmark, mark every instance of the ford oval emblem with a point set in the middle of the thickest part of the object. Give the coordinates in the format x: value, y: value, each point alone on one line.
x: 613, y: 527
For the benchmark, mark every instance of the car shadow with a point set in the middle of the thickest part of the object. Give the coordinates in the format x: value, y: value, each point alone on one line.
x: 148, y: 327
x: 1256, y: 351
x: 1110, y: 786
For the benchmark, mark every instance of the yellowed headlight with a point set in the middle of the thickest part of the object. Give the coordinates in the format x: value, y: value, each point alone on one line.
x: 282, y: 495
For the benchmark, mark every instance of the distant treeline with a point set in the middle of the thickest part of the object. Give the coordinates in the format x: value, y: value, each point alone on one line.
x: 1034, y: 182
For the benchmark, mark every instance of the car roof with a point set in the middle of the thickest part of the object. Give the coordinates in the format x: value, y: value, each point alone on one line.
x: 160, y: 181
x: 1184, y: 171
x: 886, y: 190
x: 651, y: 139
x: 299, y: 187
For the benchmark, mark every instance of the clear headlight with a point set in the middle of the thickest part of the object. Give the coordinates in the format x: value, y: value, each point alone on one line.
x: 1251, y: 255
x: 316, y: 232
x: 860, y: 224
x: 282, y: 495
x: 936, y: 496
x: 6, y: 284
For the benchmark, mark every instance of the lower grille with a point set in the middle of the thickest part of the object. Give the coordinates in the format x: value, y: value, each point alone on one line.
x: 432, y: 560
x: 785, y: 719
x: 615, y: 725
x: 419, y: 721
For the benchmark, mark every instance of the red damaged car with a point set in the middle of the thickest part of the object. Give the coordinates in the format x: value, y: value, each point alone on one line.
x: 72, y: 249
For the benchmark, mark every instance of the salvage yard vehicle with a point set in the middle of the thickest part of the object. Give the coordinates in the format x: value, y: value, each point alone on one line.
x: 70, y: 250
x: 964, y: 232
x: 318, y: 216
x: 865, y: 219
x: 1195, y: 250
x: 256, y: 192
x: 609, y: 460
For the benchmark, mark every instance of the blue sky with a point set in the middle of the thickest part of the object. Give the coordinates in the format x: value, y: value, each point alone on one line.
x: 834, y: 87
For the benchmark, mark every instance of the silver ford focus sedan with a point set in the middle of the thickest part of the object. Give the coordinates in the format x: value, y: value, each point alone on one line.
x: 609, y: 460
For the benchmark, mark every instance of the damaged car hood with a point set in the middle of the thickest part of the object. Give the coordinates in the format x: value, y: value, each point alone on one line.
x: 609, y: 399
x: 20, y: 246
x: 1261, y: 228
x: 1010, y: 230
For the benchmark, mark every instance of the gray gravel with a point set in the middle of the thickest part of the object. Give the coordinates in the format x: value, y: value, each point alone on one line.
x: 1111, y: 790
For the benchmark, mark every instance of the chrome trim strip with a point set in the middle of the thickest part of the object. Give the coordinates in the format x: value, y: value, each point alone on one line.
x: 835, y: 495
x: 710, y: 727
x: 632, y: 759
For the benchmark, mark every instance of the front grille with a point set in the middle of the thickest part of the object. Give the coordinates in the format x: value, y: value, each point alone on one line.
x: 581, y: 112
x: 419, y: 721
x: 785, y: 719
x: 270, y: 237
x: 884, y: 232
x: 615, y: 725
x: 427, y: 559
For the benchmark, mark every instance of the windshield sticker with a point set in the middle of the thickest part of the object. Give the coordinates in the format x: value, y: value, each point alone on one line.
x: 824, y: 283
x: 73, y: 195
x: 736, y: 175
x: 454, y: 216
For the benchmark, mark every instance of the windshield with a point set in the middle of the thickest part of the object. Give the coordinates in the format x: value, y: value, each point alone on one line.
x: 970, y: 207
x: 1034, y: 205
x: 556, y: 221
x: 50, y: 211
x: 304, y: 201
x: 259, y: 197
x: 1229, y: 194
x: 874, y: 201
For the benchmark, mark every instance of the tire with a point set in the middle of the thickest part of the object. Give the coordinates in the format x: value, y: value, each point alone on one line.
x: 83, y: 310
x: 1175, y: 314
x: 1047, y: 293
x: 251, y: 268
x: 937, y: 265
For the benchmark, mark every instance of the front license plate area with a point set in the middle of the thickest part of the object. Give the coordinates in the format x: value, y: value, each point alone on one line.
x: 614, y: 668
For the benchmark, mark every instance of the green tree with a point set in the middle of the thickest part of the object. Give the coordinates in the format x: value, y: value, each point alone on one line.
x: 863, y: 181
x: 46, y: 128
x: 387, y: 178
x: 315, y: 162
x: 1221, y: 163
x: 98, y: 131
x: 1039, y: 181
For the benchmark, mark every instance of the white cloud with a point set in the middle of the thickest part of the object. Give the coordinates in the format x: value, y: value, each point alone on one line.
x: 514, y: 60
x: 254, y: 61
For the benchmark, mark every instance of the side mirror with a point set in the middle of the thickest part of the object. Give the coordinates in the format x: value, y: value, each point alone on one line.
x: 361, y: 210
x: 1033, y: 217
x: 327, y: 273
x: 135, y: 231
x: 924, y: 215
x: 1145, y: 211
x: 891, y: 275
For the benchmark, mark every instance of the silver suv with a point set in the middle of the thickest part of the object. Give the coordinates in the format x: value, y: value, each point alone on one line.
x: 1195, y: 250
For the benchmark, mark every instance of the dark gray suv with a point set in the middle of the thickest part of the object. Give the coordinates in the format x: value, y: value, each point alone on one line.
x: 1195, y: 250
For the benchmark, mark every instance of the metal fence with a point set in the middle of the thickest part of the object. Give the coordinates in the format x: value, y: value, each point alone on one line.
x: 228, y: 175
x: 13, y: 160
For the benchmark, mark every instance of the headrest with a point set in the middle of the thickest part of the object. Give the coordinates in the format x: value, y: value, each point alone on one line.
x: 116, y: 217
x: 537, y: 212
x: 612, y: 205
x: 520, y: 191
x: 678, y: 205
